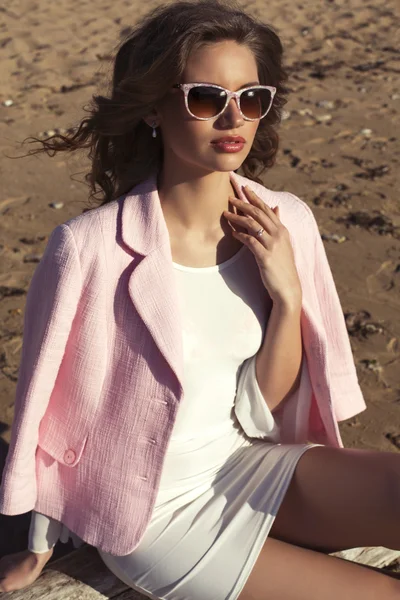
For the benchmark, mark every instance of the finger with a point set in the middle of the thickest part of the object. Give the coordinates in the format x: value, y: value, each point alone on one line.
x: 257, y: 201
x: 257, y: 214
x: 255, y: 244
x: 248, y: 223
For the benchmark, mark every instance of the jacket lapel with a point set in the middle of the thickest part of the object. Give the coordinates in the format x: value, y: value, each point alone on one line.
x: 152, y: 287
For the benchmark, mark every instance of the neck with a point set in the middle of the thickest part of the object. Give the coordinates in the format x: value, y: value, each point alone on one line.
x: 193, y: 204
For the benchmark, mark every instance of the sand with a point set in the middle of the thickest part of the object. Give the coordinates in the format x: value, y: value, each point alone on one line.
x: 339, y: 153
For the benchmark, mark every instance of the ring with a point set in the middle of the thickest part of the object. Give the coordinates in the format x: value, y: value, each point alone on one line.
x: 259, y: 232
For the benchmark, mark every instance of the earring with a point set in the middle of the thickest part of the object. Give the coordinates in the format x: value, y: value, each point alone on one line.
x: 154, y: 134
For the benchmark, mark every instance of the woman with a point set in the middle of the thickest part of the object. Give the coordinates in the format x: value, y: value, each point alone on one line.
x: 218, y: 513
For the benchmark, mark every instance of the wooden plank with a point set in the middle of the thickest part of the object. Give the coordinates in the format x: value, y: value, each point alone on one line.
x: 373, y: 556
x: 82, y: 575
x: 79, y: 575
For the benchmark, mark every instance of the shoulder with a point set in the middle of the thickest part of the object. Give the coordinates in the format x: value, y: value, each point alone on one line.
x: 93, y: 220
x: 86, y: 236
x: 92, y: 228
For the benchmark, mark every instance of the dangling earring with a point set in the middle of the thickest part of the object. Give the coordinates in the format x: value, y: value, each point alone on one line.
x: 154, y: 134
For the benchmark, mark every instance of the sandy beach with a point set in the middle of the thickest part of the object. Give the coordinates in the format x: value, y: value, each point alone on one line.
x: 339, y: 152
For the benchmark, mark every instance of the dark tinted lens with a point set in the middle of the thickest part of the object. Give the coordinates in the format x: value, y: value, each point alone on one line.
x: 206, y: 101
x: 255, y: 102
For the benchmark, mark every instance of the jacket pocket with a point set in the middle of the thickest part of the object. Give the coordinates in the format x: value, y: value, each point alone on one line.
x: 65, y: 444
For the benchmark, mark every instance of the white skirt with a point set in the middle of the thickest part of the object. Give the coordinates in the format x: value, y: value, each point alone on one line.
x: 217, y: 501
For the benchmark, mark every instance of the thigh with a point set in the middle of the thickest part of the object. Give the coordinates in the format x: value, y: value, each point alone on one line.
x: 287, y: 572
x: 342, y: 498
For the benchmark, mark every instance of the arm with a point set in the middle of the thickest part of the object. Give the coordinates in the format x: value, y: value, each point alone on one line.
x: 278, y: 361
x: 50, y: 308
x: 347, y: 395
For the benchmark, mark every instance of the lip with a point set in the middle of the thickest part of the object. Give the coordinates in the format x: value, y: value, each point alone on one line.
x: 229, y: 139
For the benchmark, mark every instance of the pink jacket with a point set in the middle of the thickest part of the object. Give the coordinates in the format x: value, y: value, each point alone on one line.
x: 100, y: 379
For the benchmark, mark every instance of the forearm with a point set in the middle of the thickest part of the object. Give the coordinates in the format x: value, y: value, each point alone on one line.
x: 278, y: 361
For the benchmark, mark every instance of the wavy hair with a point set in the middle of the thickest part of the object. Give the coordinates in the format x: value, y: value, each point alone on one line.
x: 147, y: 62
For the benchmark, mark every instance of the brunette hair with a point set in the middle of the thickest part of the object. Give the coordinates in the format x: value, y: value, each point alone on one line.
x: 148, y: 61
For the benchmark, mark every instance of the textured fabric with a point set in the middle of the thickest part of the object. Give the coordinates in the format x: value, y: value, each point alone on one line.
x: 205, y: 548
x: 101, y: 374
x: 219, y: 492
x: 220, y: 341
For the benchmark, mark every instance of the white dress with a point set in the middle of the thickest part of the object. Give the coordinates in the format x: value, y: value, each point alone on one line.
x: 220, y: 489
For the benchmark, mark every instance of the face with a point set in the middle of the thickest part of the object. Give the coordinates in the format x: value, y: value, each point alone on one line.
x: 187, y: 141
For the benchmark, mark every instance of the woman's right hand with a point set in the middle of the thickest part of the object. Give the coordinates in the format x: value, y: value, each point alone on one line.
x: 21, y: 569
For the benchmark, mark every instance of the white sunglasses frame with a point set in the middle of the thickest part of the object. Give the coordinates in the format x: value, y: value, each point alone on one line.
x: 186, y: 87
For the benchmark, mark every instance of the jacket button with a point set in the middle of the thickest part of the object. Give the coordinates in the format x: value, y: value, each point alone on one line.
x: 69, y: 457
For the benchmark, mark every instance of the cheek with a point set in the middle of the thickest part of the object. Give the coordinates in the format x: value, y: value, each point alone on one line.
x: 253, y: 126
x: 180, y: 133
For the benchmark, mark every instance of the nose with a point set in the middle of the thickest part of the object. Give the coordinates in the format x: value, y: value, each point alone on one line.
x: 232, y: 112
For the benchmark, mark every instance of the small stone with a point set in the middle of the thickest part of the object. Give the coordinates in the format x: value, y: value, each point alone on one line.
x: 35, y: 258
x: 323, y: 118
x: 334, y: 237
x: 285, y: 115
x: 326, y: 104
x: 56, y: 204
x: 395, y: 96
x: 366, y: 131
x: 305, y: 111
x: 319, y: 140
x: 8, y: 102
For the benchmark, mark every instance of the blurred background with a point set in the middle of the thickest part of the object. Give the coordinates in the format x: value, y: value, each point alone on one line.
x: 339, y: 152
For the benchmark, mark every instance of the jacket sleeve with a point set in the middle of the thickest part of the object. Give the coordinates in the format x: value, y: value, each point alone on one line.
x: 250, y: 407
x: 45, y: 532
x: 50, y: 308
x: 347, y: 395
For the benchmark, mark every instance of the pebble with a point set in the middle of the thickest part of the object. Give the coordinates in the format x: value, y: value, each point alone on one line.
x: 323, y: 118
x: 285, y: 115
x: 372, y: 363
x: 8, y: 103
x: 334, y: 237
x: 326, y: 104
x: 35, y: 258
x: 305, y: 111
x: 56, y: 204
x: 366, y: 131
x: 55, y: 131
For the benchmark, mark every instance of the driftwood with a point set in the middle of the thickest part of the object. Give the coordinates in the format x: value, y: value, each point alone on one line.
x: 82, y: 575
x: 373, y: 557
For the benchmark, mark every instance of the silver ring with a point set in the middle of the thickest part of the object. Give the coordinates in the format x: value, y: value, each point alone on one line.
x: 259, y: 232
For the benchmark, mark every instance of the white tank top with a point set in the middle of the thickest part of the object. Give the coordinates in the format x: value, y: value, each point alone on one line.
x: 225, y: 309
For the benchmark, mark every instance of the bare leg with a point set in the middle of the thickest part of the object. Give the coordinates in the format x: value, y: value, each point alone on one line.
x: 338, y: 499
x: 342, y: 498
x: 287, y: 572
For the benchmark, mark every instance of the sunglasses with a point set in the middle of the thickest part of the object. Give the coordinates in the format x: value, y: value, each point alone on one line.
x: 206, y: 100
